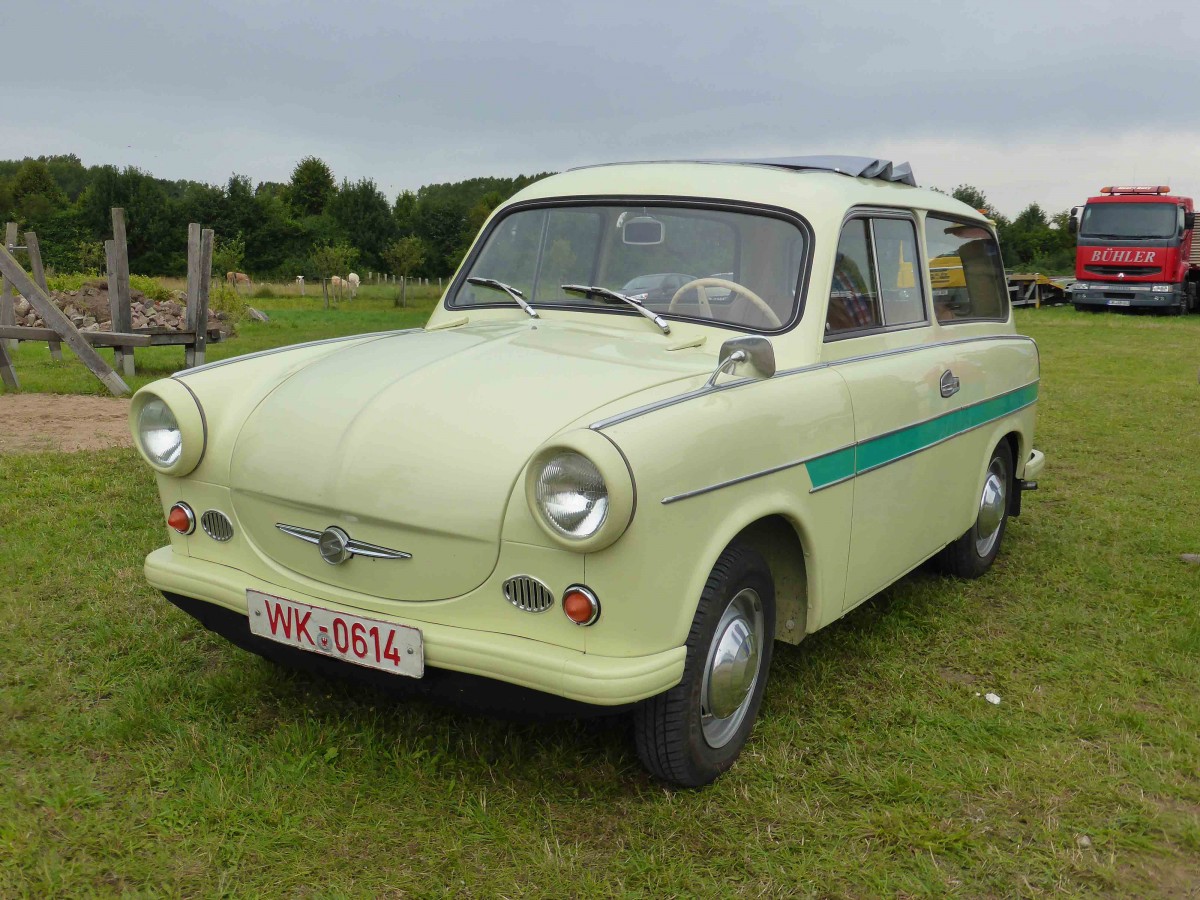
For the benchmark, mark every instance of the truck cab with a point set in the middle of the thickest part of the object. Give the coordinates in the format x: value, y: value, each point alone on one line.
x: 1136, y: 248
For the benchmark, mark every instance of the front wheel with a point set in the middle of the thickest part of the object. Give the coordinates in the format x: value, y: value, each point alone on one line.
x: 696, y: 730
x: 973, y: 553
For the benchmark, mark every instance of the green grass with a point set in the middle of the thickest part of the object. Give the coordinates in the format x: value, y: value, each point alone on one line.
x: 294, y: 319
x: 140, y: 754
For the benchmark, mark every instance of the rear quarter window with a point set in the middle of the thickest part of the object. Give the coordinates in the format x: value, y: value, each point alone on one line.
x: 966, y: 274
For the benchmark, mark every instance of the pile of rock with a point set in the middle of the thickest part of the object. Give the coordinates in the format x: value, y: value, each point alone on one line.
x: 88, y: 310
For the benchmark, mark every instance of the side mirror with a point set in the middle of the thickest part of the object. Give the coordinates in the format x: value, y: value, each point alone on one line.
x: 1189, y: 220
x: 757, y: 351
x: 1073, y: 222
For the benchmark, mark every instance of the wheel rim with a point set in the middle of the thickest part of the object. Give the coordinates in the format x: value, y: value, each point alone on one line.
x: 992, y: 505
x: 731, y: 670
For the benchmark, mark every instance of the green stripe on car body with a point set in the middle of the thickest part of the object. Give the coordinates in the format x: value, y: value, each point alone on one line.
x: 841, y: 465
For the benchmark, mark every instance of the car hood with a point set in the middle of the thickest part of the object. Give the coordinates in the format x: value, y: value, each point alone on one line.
x: 414, y: 442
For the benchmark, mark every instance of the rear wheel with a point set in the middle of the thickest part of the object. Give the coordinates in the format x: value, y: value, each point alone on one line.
x: 973, y: 553
x: 696, y: 730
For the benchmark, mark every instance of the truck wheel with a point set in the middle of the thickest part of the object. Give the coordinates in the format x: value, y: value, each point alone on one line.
x: 696, y: 730
x: 973, y: 553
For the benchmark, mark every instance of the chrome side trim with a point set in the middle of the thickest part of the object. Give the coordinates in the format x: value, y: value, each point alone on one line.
x: 354, y: 548
x: 639, y: 411
x: 884, y: 434
x: 377, y: 335
x: 741, y: 478
x: 949, y: 437
x: 791, y: 465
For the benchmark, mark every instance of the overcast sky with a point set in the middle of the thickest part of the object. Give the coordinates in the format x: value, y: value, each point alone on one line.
x: 1029, y: 101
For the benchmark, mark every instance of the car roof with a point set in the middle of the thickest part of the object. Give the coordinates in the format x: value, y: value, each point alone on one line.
x: 789, y: 183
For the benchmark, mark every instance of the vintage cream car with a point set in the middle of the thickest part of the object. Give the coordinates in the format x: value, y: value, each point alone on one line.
x: 616, y: 502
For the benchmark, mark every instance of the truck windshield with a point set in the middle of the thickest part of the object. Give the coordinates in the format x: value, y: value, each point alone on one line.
x: 733, y: 267
x: 1129, y: 220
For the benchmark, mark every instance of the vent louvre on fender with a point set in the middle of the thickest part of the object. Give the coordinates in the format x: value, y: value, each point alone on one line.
x: 528, y: 594
x: 217, y: 525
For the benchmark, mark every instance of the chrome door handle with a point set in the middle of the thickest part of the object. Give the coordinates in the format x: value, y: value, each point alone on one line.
x: 948, y: 384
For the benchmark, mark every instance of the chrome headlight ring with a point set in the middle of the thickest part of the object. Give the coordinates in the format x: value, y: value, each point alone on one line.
x: 580, y: 491
x: 168, y: 425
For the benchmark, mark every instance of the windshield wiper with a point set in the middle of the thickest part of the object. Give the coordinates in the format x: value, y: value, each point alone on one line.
x: 605, y: 294
x: 511, y: 291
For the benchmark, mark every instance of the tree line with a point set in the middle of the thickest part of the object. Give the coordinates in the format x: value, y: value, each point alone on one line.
x: 315, y: 226
x: 272, y: 229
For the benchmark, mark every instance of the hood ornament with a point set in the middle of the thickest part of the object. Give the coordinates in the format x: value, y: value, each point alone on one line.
x: 335, y: 546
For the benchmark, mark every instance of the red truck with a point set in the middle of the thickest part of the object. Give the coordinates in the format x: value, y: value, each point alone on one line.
x: 1136, y: 247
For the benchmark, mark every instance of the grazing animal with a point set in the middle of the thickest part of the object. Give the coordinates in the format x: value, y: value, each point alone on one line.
x: 353, y: 281
x: 237, y: 278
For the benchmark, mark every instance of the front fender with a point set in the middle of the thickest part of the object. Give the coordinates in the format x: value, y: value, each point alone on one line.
x: 740, y: 456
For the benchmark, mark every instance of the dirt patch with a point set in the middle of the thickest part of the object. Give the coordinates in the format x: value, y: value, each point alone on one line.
x: 33, y: 422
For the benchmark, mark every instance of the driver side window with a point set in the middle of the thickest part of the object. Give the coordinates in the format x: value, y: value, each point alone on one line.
x: 876, y: 281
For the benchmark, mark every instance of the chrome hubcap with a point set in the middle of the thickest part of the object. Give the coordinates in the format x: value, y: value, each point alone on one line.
x: 991, y: 508
x: 732, y: 668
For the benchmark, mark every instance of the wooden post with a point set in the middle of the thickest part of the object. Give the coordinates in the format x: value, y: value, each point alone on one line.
x: 110, y: 264
x: 8, y: 375
x: 39, y: 275
x: 193, y: 289
x: 54, y: 318
x: 8, y: 315
x: 123, y: 324
x: 202, y: 310
x: 404, y: 290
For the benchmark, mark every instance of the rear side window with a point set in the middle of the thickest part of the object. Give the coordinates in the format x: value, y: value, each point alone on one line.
x: 965, y: 271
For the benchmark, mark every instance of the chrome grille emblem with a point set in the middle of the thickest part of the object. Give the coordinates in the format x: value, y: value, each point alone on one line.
x: 335, y: 546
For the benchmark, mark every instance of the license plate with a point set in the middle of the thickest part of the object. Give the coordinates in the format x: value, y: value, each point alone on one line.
x: 355, y: 639
x: 1118, y: 302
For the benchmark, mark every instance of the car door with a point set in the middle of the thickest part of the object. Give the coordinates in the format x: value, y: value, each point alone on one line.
x: 880, y: 338
x: 994, y: 370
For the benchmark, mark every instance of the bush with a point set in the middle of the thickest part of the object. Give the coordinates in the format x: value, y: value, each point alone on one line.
x: 70, y: 281
x: 151, y: 287
x: 264, y: 292
x: 223, y: 298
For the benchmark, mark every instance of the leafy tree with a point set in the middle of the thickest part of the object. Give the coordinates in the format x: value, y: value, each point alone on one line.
x: 228, y: 254
x: 972, y: 196
x: 332, y: 259
x: 405, y: 213
x: 403, y: 257
x: 361, y: 210
x: 311, y: 186
x: 34, y: 178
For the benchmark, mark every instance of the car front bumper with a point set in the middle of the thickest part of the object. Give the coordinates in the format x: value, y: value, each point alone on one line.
x: 1115, y: 297
x: 562, y: 672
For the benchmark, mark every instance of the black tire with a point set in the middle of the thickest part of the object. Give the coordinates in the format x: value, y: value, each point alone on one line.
x: 973, y: 553
x: 671, y: 731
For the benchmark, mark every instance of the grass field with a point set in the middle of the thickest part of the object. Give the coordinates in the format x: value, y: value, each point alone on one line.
x: 140, y: 754
x: 293, y: 319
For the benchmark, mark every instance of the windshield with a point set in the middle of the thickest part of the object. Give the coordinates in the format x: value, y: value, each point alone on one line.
x: 1129, y: 220
x: 737, y: 268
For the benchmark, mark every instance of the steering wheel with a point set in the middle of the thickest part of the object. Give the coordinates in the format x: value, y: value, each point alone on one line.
x: 701, y: 283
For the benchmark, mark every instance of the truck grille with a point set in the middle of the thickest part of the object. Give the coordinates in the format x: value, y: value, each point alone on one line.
x: 528, y: 594
x: 1127, y: 270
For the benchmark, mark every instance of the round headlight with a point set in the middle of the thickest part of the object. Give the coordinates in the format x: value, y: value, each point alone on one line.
x: 571, y: 495
x: 160, y: 434
x: 168, y: 427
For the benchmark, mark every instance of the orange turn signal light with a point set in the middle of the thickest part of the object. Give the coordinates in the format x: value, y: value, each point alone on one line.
x: 181, y: 518
x: 581, y: 605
